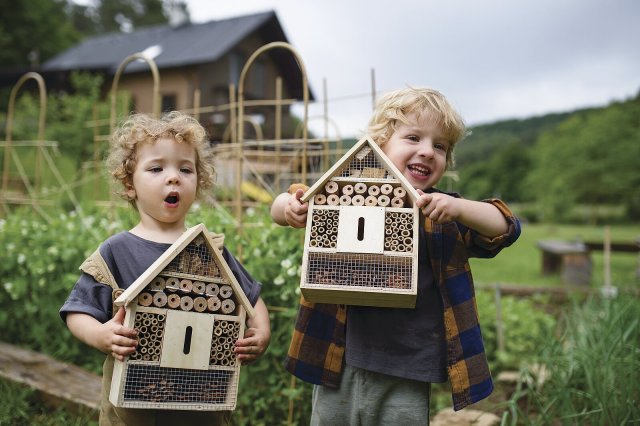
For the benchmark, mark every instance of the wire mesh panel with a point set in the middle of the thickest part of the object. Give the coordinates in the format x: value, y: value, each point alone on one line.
x: 380, y: 272
x: 364, y: 165
x: 150, y: 386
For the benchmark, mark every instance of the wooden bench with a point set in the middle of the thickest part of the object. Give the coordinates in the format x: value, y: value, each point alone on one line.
x: 58, y: 383
x: 571, y: 259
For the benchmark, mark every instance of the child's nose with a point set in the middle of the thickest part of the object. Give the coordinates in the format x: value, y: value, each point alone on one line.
x: 426, y: 148
x: 173, y: 178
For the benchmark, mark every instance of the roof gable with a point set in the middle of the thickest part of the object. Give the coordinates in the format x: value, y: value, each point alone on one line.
x: 177, y: 46
x: 365, y: 160
x: 211, y: 263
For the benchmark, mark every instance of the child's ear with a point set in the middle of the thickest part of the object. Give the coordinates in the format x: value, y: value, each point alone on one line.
x: 130, y: 190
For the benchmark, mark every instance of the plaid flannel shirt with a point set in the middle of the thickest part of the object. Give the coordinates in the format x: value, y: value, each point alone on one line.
x: 318, y: 343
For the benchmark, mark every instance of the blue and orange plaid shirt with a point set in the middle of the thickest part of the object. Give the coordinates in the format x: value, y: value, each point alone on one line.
x: 317, y: 347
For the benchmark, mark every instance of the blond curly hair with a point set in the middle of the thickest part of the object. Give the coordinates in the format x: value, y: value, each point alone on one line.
x: 142, y: 128
x: 395, y: 106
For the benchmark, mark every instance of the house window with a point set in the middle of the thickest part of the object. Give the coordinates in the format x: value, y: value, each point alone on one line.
x: 169, y: 103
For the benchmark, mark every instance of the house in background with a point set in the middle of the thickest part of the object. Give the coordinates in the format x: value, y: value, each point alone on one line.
x: 207, y: 57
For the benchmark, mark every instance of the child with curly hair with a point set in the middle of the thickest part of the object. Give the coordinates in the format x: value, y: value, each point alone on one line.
x: 163, y: 166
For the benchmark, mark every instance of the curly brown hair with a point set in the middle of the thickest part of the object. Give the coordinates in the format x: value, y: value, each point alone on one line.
x: 143, y: 128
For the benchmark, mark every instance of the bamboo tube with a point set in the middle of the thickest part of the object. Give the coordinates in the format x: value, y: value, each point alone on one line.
x: 360, y: 188
x: 159, y: 300
x: 217, y: 330
x: 331, y: 187
x: 374, y: 190
x: 383, y: 201
x: 186, y: 285
x: 397, y: 202
x: 345, y: 200
x: 172, y: 284
x: 399, y: 191
x: 199, y: 287
x: 386, y: 189
x: 333, y: 200
x: 357, y: 200
x: 227, y: 306
x: 212, y: 289
x: 213, y: 303
x: 200, y: 304
x: 173, y: 301
x: 371, y: 201
x: 145, y: 299
x: 158, y: 283
x: 347, y: 189
x: 186, y: 303
x: 320, y: 199
x: 226, y: 291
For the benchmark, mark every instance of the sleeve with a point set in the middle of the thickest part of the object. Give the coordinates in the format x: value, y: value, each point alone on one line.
x: 482, y: 246
x: 89, y: 297
x: 250, y: 286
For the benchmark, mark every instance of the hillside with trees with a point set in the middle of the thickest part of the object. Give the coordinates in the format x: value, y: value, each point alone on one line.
x: 558, y: 163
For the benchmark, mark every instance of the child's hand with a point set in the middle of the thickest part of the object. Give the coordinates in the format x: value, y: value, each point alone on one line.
x: 441, y: 208
x: 117, y: 339
x: 295, y: 212
x: 253, y: 345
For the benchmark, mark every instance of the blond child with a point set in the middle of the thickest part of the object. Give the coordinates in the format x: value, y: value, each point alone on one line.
x: 377, y: 364
x: 163, y: 166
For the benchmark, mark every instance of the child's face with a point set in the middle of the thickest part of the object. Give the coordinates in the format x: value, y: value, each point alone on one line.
x: 165, y: 180
x: 418, y: 150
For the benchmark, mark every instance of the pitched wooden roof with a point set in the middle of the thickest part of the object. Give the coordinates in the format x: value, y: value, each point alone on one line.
x: 131, y: 293
x: 366, y: 141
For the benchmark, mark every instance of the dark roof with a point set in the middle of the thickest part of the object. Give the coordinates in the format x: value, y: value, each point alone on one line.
x: 188, y: 44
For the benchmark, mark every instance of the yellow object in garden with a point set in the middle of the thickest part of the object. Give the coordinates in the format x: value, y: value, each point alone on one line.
x: 254, y: 192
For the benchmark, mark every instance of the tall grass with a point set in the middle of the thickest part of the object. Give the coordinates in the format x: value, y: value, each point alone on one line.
x: 593, y: 370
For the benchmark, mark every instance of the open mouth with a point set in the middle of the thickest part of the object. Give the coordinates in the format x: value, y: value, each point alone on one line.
x: 172, y: 198
x: 419, y: 170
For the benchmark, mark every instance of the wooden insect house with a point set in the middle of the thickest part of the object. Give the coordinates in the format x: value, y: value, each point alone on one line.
x: 189, y: 310
x: 361, y: 238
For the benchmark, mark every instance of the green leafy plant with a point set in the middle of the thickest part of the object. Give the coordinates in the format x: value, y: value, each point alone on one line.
x: 591, y: 372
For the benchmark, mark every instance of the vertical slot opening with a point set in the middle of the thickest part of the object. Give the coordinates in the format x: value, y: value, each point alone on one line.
x: 361, y: 229
x: 187, y: 340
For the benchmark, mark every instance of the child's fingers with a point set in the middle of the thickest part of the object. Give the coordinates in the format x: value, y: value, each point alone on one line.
x: 299, y: 193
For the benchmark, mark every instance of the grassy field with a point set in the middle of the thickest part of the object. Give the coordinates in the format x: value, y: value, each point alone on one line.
x: 521, y: 264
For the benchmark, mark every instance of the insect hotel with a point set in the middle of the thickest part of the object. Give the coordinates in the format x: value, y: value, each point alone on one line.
x: 189, y: 311
x: 361, y: 239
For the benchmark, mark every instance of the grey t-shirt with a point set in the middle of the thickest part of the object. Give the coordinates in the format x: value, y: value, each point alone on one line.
x: 127, y: 256
x: 408, y: 343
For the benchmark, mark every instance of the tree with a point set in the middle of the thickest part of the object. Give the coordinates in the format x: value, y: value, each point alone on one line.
x: 34, y: 31
x: 127, y: 15
x: 590, y: 159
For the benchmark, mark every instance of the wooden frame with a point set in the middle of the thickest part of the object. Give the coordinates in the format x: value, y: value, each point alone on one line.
x: 189, y: 310
x: 361, y: 245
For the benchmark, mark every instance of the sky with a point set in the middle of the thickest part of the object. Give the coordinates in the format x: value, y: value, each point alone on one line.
x: 493, y: 59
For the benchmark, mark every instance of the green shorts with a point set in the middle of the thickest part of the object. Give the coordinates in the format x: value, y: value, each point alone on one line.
x: 368, y: 398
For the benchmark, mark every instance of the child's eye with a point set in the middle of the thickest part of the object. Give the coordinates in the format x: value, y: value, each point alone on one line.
x: 186, y: 170
x: 413, y: 138
x: 155, y: 169
x: 440, y: 146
